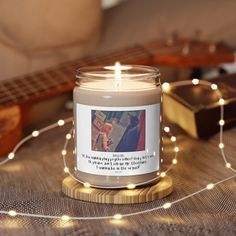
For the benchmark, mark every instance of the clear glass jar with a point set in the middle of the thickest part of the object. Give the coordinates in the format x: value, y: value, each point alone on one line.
x: 117, y: 115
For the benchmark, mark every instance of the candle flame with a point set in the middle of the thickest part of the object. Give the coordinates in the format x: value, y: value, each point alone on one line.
x: 117, y: 68
x: 117, y: 71
x: 122, y: 67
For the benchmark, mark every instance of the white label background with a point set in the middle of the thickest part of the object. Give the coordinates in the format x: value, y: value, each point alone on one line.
x: 152, y: 141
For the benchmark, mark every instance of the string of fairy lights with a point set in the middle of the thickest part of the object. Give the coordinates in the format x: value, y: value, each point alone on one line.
x: 166, y: 88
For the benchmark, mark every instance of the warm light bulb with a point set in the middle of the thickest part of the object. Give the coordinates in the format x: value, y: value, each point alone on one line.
x: 87, y: 185
x: 214, y: 86
x: 131, y: 186
x: 117, y: 216
x: 66, y: 170
x: 221, y: 145
x: 173, y: 138
x: 35, y: 133
x: 165, y: 87
x: 167, y: 129
x: 65, y: 217
x: 68, y: 136
x: 11, y: 155
x: 63, y: 152
x: 176, y: 149
x: 221, y: 122
x: 167, y: 205
x: 228, y: 165
x: 210, y: 186
x: 61, y: 122
x: 174, y: 161
x: 12, y: 213
x: 221, y: 101
x: 195, y: 81
x: 163, y: 174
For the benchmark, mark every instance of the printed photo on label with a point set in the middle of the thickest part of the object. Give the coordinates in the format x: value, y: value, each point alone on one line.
x: 118, y: 131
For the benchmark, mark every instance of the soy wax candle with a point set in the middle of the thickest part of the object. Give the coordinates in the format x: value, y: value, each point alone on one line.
x: 117, y: 114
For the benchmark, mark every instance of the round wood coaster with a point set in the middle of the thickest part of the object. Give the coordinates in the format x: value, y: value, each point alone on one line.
x: 74, y: 189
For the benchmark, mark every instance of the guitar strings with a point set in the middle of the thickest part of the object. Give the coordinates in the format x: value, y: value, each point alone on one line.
x: 13, y: 96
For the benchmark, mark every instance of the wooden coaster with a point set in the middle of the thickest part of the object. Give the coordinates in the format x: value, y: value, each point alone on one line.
x: 74, y: 189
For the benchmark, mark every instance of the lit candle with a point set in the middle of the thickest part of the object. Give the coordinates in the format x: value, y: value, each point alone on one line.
x: 117, y: 111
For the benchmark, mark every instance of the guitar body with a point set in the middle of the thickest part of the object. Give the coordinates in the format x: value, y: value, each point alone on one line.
x: 10, y: 128
x: 14, y: 119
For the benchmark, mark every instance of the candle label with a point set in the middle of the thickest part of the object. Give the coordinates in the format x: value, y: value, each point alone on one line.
x: 118, y: 141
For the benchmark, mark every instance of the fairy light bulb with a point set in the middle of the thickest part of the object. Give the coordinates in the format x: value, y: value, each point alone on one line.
x: 173, y: 138
x: 176, y: 149
x: 11, y: 155
x: 167, y: 205
x: 117, y: 216
x: 221, y: 122
x: 87, y: 185
x: 12, y: 213
x: 63, y: 152
x: 221, y: 145
x: 165, y: 87
x: 210, y: 186
x: 195, y: 81
x: 174, y: 161
x: 131, y: 186
x: 163, y: 174
x: 214, y: 86
x: 74, y: 151
x: 221, y: 101
x: 167, y: 129
x: 61, y: 122
x: 35, y: 133
x: 65, y: 217
x: 228, y: 165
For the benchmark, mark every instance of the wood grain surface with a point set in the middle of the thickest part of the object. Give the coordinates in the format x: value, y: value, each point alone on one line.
x: 76, y: 190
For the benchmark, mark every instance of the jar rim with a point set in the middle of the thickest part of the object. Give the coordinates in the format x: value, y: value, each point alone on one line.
x: 136, y: 72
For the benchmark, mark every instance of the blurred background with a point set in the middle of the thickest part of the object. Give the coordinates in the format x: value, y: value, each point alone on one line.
x: 35, y: 35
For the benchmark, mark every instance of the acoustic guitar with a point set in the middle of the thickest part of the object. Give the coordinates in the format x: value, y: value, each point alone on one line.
x: 18, y: 95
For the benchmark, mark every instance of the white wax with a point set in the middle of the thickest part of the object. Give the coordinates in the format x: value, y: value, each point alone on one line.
x: 117, y: 93
x: 111, y: 93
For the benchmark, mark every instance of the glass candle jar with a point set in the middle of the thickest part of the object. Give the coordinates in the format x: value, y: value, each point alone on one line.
x: 117, y: 116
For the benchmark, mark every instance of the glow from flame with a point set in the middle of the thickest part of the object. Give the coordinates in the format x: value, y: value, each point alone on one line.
x: 117, y: 75
x: 117, y: 71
